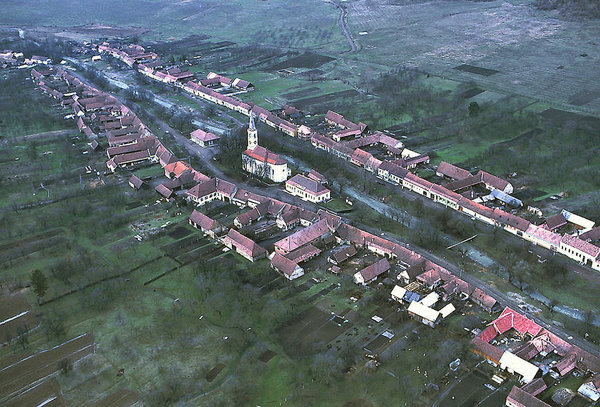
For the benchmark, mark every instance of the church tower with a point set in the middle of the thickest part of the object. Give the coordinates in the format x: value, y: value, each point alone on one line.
x: 252, y: 134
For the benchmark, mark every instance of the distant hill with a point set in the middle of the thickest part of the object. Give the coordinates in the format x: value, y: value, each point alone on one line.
x: 575, y: 8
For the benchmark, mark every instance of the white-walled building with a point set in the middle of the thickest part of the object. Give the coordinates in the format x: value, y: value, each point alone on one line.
x: 307, y: 189
x: 260, y: 161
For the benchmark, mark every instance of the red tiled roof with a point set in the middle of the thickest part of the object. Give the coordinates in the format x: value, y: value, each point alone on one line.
x: 535, y: 386
x: 307, y: 184
x: 581, y: 245
x: 566, y: 364
x: 246, y: 243
x: 204, y: 136
x: 303, y: 253
x: 556, y: 221
x: 375, y: 269
x: 521, y: 398
x: 512, y: 319
x: 283, y: 264
x: 482, y: 298
x: 488, y: 334
x: 304, y: 236
x: 493, y: 181
x: 491, y: 352
x: 591, y: 235
x: 548, y: 342
x: 164, y: 191
x: 526, y: 351
x: 203, y: 221
x: 511, y: 220
x: 177, y: 168
x: 344, y: 254
x: 452, y: 171
x: 131, y: 157
x: 202, y: 189
x: 136, y: 182
x: 225, y: 187
x: 316, y: 176
x: 264, y: 155
x: 360, y: 156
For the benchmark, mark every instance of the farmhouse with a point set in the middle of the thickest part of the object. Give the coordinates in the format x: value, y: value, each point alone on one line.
x: 36, y: 59
x: 317, y: 176
x: 242, y: 84
x: 451, y: 171
x: 286, y: 267
x: 425, y: 314
x: 371, y: 272
x: 223, y: 80
x: 520, y: 398
x: 208, y: 226
x: 203, y: 192
x: 591, y: 389
x: 516, y: 365
x: 135, y: 182
x: 487, y: 350
x: 307, y: 189
x: 123, y: 160
x: 312, y: 233
x: 577, y: 249
x: 342, y: 255
x: 292, y: 216
x: 483, y: 300
x: 244, y: 245
x: 164, y: 191
x: 204, y: 139
x: 303, y: 253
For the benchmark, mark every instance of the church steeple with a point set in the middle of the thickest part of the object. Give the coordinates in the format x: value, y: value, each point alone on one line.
x: 252, y: 134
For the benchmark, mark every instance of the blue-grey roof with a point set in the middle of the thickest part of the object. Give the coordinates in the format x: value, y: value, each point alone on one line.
x: 409, y: 296
x: 504, y: 197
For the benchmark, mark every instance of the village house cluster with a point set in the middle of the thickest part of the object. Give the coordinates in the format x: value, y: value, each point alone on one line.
x: 15, y: 59
x: 429, y: 292
x: 519, y: 346
x: 129, y: 142
x: 348, y: 140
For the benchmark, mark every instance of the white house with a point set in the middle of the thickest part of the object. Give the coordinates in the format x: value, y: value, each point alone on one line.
x: 307, y: 189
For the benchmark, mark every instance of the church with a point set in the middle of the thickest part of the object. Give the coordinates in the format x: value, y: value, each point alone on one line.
x: 260, y: 161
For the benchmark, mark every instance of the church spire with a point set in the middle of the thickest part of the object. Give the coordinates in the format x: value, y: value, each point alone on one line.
x: 252, y: 134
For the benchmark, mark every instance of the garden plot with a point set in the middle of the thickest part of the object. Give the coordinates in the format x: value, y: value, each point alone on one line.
x: 476, y: 70
x: 214, y: 372
x: 47, y: 394
x: 180, y: 247
x: 317, y: 103
x: 307, y: 60
x: 120, y: 398
x: 26, y: 371
x: 267, y: 355
x: 467, y: 391
x: 32, y: 244
x: 15, y: 312
x: 311, y: 327
x: 301, y: 93
x: 207, y: 250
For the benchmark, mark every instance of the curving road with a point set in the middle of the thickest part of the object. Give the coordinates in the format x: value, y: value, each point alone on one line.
x: 342, y: 22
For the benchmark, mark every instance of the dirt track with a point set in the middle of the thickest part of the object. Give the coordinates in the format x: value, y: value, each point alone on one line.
x: 344, y: 26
